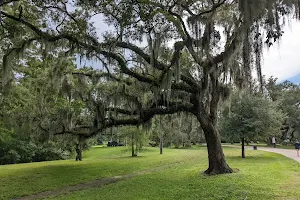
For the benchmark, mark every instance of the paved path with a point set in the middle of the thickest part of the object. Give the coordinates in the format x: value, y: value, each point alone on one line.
x: 290, y: 153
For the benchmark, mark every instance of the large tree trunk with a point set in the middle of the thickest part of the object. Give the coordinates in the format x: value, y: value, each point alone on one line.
x: 243, y: 147
x: 208, y: 120
x: 216, y: 157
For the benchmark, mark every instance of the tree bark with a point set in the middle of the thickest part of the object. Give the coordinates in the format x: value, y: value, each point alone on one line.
x: 243, y: 147
x: 207, y: 116
x: 78, y: 153
x: 136, y: 148
x: 132, y: 145
x: 161, y: 145
x: 160, y: 137
x: 270, y: 141
x: 216, y: 157
x: 111, y: 134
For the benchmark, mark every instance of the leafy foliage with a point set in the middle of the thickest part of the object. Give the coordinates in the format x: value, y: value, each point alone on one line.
x: 251, y: 117
x: 136, y: 138
x: 286, y: 95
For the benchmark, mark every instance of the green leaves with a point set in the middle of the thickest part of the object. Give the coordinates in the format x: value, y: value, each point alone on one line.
x: 252, y: 117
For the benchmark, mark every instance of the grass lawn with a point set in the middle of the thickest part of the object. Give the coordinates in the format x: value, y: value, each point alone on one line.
x: 25, y: 179
x: 262, y: 175
x: 279, y: 146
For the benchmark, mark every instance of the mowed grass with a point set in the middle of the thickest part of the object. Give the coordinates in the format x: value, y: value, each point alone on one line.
x: 262, y: 175
x: 279, y: 146
x: 25, y: 179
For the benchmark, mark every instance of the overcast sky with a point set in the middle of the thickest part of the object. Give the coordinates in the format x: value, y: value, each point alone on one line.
x: 281, y: 60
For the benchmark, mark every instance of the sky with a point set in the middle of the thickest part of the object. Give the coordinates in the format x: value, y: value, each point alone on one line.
x: 281, y: 60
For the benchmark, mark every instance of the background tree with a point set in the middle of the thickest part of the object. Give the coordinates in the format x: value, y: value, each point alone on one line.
x: 178, y: 130
x: 34, y: 101
x: 137, y: 138
x: 250, y: 118
x: 286, y: 95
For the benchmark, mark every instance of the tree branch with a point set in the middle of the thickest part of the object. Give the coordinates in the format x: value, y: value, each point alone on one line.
x: 147, y: 115
x: 214, y: 7
x: 103, y: 74
x: 121, y: 111
x: 3, y: 2
x: 158, y: 65
x: 118, y: 58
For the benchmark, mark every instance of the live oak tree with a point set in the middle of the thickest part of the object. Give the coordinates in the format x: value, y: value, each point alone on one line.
x: 33, y: 101
x: 215, y: 43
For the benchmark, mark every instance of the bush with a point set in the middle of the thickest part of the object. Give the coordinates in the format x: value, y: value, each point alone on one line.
x: 23, y: 151
x: 11, y: 157
x: 15, y: 148
x: 26, y: 150
x: 49, y: 153
x: 188, y: 144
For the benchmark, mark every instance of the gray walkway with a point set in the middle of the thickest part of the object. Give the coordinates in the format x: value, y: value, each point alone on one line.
x: 290, y: 153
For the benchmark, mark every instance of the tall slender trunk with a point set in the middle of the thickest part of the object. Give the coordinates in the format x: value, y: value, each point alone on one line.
x: 270, y: 141
x: 136, y: 149
x: 132, y: 145
x: 292, y: 134
x: 160, y: 138
x: 78, y: 152
x: 243, y: 147
x: 161, y: 143
x: 111, y: 134
x: 216, y: 158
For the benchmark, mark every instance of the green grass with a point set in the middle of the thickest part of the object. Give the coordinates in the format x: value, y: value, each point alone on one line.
x: 262, y: 175
x: 25, y: 179
x: 279, y: 146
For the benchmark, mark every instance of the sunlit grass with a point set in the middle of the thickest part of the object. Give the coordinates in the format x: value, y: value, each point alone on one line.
x: 24, y: 179
x: 261, y: 175
x: 279, y: 146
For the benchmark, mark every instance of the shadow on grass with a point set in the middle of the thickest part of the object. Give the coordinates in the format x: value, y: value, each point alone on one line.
x: 127, y: 149
x: 188, y: 148
x: 260, y: 157
x: 129, y: 157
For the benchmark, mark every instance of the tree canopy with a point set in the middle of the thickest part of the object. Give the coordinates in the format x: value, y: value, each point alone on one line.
x: 287, y: 95
x: 250, y: 117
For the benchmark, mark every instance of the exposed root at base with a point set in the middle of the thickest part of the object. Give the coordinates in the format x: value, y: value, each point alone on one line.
x: 215, y: 171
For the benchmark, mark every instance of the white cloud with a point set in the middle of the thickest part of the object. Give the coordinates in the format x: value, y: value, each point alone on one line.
x: 283, y: 60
